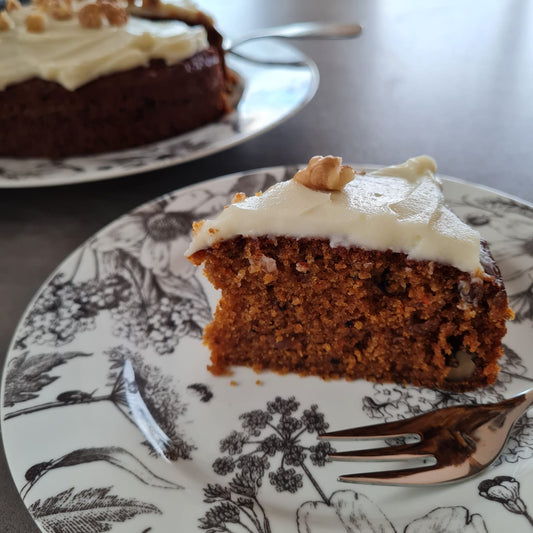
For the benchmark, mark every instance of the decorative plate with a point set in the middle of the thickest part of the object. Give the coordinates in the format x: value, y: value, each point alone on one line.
x: 271, y: 94
x: 111, y: 421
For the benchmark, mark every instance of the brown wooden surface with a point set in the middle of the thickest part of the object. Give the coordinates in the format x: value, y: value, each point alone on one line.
x: 453, y: 79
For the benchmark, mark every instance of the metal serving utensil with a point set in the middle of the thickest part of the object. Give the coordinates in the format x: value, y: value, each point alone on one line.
x: 298, y: 30
x: 455, y: 442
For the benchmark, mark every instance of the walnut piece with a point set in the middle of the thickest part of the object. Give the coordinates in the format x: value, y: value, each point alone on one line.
x: 90, y: 16
x: 115, y: 14
x: 151, y: 4
x: 35, y: 22
x: 325, y: 174
x: 58, y: 9
x: 5, y: 21
x: 12, y: 5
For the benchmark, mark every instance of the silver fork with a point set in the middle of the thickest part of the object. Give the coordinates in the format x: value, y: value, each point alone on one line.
x: 296, y: 30
x: 455, y: 443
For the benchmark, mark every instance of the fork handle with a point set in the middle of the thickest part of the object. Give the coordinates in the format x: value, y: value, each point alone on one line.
x: 302, y: 30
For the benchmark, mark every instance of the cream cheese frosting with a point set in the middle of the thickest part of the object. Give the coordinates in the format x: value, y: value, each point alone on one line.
x: 399, y: 208
x: 72, y: 55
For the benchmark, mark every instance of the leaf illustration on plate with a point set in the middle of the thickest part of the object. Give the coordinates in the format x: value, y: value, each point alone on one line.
x: 522, y: 304
x: 88, y: 511
x: 500, y: 206
x: 449, y: 519
x: 113, y: 455
x: 144, y: 394
x: 350, y: 511
x: 512, y: 366
x: 27, y: 375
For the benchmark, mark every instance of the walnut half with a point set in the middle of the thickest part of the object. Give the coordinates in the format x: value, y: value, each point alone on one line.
x: 5, y: 21
x: 325, y: 174
x: 12, y: 5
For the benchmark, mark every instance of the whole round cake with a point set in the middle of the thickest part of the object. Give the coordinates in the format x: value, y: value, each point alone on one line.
x: 89, y: 76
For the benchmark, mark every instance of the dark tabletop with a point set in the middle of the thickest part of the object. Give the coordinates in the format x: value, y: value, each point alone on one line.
x: 452, y: 79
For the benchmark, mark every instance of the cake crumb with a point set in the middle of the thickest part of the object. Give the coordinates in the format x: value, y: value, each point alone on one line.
x: 233, y: 383
x: 197, y: 226
x: 239, y: 197
x: 258, y: 382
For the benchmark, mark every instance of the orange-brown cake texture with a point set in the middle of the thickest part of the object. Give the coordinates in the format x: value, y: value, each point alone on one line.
x: 368, y: 277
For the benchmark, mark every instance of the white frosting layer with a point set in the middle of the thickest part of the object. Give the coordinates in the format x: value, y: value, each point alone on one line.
x: 73, y: 56
x: 400, y: 208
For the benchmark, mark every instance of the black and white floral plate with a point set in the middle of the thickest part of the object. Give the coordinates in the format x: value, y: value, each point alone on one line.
x: 271, y: 94
x: 111, y: 421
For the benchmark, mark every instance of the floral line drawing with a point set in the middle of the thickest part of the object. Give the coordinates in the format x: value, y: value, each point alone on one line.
x: 277, y: 433
x: 248, y: 455
x: 512, y: 245
x: 142, y: 394
x: 27, y: 375
x: 396, y: 402
x: 129, y: 284
x: 113, y: 455
x: 522, y: 303
x: 505, y: 490
x: 88, y: 511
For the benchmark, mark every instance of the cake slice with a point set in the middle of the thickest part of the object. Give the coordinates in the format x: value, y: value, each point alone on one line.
x: 341, y: 276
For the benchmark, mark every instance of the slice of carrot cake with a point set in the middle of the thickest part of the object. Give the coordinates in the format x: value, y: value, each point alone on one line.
x: 367, y: 276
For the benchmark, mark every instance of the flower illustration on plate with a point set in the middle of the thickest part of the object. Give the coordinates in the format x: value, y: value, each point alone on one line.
x: 156, y: 235
x: 514, y: 254
x: 167, y: 301
x: 522, y: 303
x: 512, y: 246
x: 505, y: 490
x: 276, y: 432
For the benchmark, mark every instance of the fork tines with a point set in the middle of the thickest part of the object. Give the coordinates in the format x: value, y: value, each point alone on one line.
x: 417, y: 450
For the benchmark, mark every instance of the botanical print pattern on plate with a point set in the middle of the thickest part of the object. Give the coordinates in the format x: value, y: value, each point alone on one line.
x: 110, y: 418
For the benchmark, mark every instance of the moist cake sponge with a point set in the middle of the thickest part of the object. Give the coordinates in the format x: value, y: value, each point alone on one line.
x: 323, y: 305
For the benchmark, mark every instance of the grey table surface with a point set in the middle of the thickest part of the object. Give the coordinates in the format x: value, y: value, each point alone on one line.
x: 453, y: 79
